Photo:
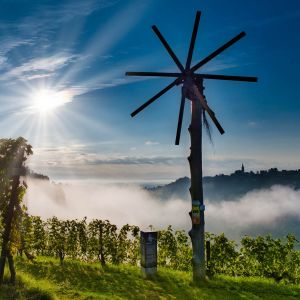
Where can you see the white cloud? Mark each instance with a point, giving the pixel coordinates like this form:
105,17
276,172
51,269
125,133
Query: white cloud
151,143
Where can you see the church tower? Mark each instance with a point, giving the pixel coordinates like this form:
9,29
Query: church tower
243,168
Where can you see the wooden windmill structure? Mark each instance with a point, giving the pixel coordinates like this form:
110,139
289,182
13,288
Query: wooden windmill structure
192,89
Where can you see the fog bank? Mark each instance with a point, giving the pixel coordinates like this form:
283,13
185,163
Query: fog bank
257,211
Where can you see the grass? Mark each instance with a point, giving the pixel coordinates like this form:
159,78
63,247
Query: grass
46,279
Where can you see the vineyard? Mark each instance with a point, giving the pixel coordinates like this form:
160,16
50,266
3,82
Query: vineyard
67,250
102,241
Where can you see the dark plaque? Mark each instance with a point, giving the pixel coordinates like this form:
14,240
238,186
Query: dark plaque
149,252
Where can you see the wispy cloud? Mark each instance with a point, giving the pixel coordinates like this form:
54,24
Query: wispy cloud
151,143
94,162
136,161
82,162
2,61
219,65
45,18
43,22
252,123
69,156
274,19
46,22
40,67
9,43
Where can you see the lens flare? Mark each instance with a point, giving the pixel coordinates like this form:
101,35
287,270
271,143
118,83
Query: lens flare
46,100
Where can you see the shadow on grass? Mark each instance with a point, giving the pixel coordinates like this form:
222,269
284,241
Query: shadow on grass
20,291
77,278
256,287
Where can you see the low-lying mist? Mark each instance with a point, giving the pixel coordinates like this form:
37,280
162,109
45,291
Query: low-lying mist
257,212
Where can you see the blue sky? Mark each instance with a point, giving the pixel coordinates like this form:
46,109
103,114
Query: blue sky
79,51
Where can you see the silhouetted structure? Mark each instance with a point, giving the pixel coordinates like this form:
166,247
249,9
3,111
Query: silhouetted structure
192,89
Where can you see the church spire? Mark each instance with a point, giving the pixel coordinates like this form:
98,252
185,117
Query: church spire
243,168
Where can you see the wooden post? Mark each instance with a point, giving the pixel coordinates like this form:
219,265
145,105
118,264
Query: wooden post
196,191
207,254
101,252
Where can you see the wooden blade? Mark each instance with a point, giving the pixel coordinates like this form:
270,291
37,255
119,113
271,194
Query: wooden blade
158,74
180,116
227,77
193,39
154,98
218,51
207,108
214,119
167,46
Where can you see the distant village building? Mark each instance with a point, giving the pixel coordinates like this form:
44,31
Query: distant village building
241,171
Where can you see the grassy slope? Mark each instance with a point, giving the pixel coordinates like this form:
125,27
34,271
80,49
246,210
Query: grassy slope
46,279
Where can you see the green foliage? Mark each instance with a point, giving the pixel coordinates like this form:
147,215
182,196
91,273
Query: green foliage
174,249
108,245
57,238
39,236
223,255
260,256
268,257
27,234
11,152
102,241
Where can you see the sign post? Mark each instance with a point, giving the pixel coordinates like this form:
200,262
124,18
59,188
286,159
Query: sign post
149,253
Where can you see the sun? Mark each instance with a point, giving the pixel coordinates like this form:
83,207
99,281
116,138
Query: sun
46,100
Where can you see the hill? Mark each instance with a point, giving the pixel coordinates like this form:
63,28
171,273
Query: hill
229,187
46,279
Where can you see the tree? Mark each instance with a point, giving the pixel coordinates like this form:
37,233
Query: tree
58,236
13,153
39,238
128,244
98,239
174,249
269,257
27,234
82,236
223,255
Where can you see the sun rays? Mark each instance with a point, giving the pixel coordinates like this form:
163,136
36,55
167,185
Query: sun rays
46,100
40,84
